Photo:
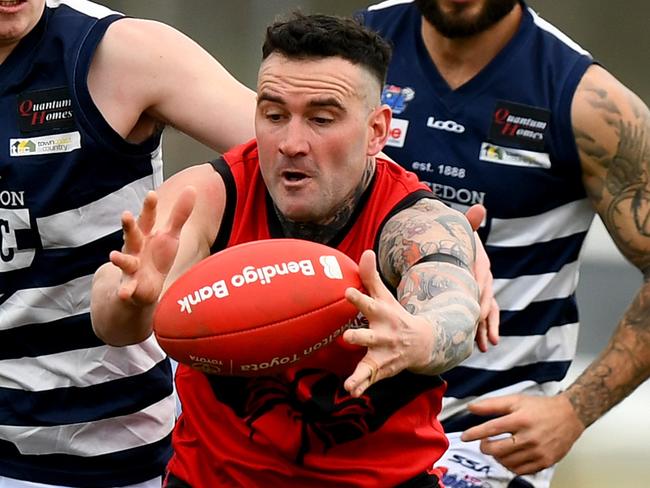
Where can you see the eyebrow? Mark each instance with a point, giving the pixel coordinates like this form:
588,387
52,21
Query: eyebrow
317,102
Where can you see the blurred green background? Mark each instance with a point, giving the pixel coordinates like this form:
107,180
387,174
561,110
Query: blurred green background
616,450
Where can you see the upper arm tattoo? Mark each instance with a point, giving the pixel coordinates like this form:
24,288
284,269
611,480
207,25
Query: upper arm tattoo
612,130
614,145
426,228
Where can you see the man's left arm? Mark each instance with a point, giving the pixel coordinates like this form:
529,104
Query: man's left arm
427,253
614,144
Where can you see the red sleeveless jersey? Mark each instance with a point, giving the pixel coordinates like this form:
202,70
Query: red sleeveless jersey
301,428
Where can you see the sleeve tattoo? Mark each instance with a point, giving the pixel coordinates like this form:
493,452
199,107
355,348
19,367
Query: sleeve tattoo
616,163
445,294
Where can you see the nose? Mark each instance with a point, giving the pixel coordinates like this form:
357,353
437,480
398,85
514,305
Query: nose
294,140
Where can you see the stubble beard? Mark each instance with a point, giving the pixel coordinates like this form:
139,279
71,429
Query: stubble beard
456,26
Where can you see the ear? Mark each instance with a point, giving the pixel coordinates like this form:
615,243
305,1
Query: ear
378,129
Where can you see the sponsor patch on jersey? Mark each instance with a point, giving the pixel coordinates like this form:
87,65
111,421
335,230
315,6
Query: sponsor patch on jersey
396,97
514,157
524,126
45,109
397,134
448,125
52,144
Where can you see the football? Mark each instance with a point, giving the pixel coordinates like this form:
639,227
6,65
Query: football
257,308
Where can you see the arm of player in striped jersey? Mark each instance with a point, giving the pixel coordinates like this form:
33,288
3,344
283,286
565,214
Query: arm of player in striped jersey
612,131
614,145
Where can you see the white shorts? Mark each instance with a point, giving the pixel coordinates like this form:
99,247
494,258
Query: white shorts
468,467
12,483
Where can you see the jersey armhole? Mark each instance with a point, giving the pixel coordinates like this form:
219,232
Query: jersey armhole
223,236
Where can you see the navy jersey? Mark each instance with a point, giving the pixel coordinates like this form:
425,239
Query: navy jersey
503,139
73,411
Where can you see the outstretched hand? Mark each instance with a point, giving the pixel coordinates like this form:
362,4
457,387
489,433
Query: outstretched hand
396,340
148,255
488,325
542,430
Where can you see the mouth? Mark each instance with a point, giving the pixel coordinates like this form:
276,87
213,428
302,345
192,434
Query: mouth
10,5
293,176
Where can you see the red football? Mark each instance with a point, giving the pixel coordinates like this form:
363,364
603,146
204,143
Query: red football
256,308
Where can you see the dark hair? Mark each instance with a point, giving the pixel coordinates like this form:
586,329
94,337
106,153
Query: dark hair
319,36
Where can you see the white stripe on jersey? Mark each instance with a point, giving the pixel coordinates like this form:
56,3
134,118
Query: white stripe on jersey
89,8
557,345
81,367
387,3
42,305
79,226
99,437
157,166
563,221
551,29
518,293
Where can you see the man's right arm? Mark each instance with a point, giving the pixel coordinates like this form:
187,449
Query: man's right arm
175,230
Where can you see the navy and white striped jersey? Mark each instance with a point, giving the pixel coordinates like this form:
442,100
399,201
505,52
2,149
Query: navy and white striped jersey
503,139
73,411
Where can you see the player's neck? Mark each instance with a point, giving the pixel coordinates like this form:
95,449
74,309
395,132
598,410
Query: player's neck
5,50
459,60
326,230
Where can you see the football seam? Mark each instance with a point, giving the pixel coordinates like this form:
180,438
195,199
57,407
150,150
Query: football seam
239,332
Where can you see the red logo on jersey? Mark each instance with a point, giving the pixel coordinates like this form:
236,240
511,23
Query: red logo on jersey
45,109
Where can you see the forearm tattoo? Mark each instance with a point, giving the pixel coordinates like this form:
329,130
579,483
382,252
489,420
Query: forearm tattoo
618,181
620,368
444,294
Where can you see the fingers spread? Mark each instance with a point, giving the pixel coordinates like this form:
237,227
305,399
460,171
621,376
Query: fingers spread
368,272
493,321
360,337
364,303
131,233
370,277
181,211
487,331
365,374
487,296
127,289
127,263
147,217
482,336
